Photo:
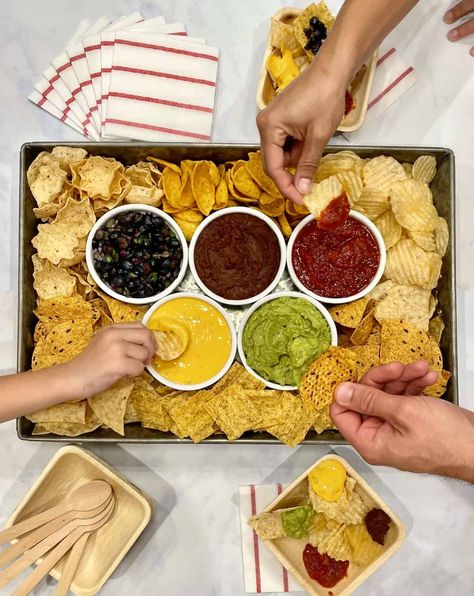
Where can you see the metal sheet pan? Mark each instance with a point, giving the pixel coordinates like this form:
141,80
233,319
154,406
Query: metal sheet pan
129,153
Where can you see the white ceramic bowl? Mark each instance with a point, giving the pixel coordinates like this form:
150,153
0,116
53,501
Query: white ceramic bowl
233,347
257,305
254,213
113,213
380,270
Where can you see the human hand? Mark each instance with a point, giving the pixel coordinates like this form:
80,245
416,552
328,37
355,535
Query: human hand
461,9
307,111
116,351
389,423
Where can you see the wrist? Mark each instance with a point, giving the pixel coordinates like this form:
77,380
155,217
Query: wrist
460,464
69,382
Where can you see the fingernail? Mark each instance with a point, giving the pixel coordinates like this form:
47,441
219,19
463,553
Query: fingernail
344,394
304,186
471,51
452,35
448,17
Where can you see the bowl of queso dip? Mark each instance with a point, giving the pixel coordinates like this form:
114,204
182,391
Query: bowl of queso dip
211,341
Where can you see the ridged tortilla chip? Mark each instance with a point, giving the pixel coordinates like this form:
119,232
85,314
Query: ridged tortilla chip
317,386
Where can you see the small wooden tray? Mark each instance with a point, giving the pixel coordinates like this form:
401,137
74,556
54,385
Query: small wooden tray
70,467
355,118
289,551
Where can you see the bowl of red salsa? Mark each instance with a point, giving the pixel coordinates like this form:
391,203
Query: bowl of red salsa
337,265
237,256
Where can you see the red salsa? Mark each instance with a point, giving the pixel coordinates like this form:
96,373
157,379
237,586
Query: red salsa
377,523
336,263
349,101
335,213
322,568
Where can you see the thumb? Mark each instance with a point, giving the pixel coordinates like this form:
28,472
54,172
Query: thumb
369,401
308,163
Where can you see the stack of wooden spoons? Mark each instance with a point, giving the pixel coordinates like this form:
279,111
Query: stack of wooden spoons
52,534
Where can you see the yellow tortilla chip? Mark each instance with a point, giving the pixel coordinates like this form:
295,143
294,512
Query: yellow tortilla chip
203,187
64,341
232,411
110,405
171,181
239,375
364,549
68,429
255,169
51,282
55,242
74,412
165,164
323,420
317,386
364,329
98,177
296,422
192,418
367,356
350,314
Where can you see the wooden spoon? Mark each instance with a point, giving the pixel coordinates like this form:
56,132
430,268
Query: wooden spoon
14,551
84,498
76,527
55,555
70,568
171,338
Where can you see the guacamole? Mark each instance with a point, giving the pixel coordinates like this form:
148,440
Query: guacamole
283,337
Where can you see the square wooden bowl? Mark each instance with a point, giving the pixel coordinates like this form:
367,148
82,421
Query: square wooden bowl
355,118
71,467
289,551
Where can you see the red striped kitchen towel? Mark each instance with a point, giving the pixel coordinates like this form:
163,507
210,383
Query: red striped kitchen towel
162,88
262,571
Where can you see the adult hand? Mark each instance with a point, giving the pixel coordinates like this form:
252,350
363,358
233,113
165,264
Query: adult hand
115,352
296,126
461,9
389,423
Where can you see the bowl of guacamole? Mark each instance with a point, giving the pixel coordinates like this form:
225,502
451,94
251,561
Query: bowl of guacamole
281,335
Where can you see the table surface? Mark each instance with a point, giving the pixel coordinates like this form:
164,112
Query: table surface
193,543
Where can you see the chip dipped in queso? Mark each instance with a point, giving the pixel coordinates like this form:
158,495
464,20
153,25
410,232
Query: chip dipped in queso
210,340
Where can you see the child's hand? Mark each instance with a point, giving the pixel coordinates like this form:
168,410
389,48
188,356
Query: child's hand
115,352
461,9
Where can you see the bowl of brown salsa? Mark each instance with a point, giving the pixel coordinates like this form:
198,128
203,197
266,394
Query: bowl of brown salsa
237,255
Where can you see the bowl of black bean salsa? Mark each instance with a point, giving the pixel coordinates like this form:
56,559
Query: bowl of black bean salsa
137,254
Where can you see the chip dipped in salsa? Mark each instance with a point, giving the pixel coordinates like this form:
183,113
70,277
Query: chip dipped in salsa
237,256
336,263
209,340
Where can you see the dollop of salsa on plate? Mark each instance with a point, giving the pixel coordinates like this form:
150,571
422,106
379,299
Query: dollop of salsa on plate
137,254
377,523
323,568
237,256
335,263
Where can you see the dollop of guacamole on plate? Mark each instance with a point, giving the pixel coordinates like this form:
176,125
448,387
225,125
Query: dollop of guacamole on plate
283,337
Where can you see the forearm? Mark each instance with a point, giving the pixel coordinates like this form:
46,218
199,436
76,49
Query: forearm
460,461
31,391
358,30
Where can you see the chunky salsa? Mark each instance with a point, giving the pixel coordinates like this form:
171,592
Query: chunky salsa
335,213
323,568
237,256
335,263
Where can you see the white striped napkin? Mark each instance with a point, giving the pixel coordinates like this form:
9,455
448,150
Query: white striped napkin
162,88
262,571
107,53
393,77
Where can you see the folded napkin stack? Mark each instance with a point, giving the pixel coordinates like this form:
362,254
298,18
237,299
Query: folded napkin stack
132,78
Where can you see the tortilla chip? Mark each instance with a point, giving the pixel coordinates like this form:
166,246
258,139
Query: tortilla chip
295,424
64,341
366,357
239,375
361,333
406,343
405,303
51,282
74,412
122,312
317,386
192,418
439,388
55,242
68,429
320,11
150,407
323,421
350,314
110,405
233,411
64,308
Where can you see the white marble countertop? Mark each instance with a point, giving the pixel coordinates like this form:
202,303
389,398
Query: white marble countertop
193,544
